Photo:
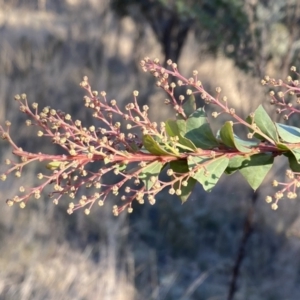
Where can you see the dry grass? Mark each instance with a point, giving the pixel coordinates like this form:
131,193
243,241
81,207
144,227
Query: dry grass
167,252
36,270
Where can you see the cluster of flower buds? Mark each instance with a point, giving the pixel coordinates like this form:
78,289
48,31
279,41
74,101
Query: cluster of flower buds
117,149
126,152
287,90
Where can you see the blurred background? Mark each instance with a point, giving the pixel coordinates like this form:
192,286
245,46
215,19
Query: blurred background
228,244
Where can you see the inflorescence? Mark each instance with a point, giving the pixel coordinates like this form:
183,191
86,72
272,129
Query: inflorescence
120,150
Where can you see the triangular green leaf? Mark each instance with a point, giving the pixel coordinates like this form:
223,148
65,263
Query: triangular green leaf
231,140
294,165
152,169
226,135
172,130
180,166
288,134
153,146
255,168
212,172
257,136
265,123
296,153
235,163
197,129
289,149
195,120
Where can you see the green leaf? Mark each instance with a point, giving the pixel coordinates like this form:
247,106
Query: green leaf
152,169
235,163
296,153
288,134
294,165
153,146
259,137
231,140
255,168
290,150
226,135
265,123
197,129
180,166
172,130
189,106
212,172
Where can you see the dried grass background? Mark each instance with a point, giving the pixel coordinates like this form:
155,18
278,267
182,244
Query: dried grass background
170,251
